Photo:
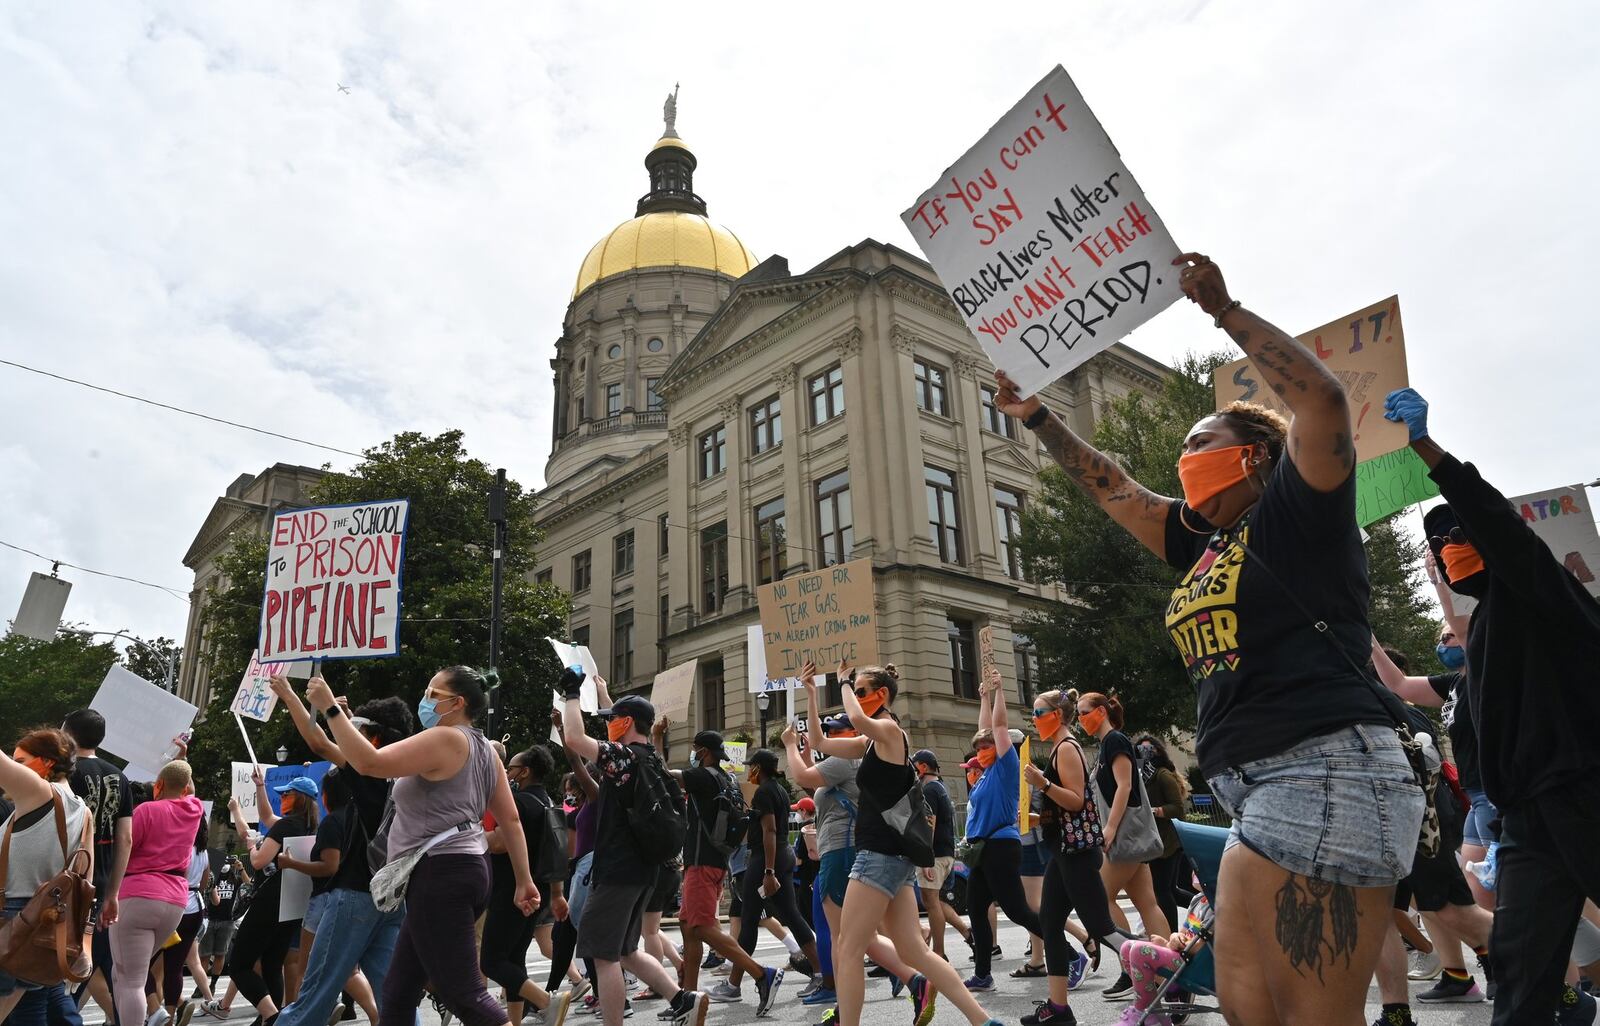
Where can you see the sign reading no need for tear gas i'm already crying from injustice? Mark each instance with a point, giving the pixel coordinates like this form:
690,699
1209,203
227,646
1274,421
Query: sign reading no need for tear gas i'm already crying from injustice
333,582
824,617
1044,240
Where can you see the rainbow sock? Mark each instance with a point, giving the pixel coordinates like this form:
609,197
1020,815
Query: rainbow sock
1458,974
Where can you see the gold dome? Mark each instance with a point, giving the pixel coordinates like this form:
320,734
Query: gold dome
665,239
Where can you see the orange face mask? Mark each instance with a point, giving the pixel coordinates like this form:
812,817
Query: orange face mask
618,728
1212,472
874,701
1461,561
1048,724
37,763
288,802
986,757
1093,720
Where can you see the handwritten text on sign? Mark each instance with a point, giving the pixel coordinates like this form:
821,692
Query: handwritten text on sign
1365,350
824,617
254,697
1044,240
333,582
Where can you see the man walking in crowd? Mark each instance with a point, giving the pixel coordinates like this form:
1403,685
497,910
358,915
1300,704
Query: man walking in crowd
104,788
931,880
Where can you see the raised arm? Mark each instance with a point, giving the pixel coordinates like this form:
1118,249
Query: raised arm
1141,512
1415,690
884,732
27,789
314,737
264,814
1458,622
1320,442
432,754
997,717
801,769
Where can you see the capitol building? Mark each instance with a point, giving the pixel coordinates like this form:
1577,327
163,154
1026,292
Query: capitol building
722,420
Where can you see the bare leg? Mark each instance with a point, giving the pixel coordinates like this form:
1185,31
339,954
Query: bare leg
361,990
197,969
905,930
935,906
1392,986
1033,890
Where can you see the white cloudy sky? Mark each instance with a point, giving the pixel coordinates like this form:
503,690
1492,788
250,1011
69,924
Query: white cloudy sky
190,210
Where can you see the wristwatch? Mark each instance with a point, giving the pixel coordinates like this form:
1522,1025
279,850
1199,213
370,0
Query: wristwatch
770,872
334,712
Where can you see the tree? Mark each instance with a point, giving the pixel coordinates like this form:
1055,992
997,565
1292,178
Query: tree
149,659
42,681
445,618
1111,635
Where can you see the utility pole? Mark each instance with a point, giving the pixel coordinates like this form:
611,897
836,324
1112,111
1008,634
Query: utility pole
497,517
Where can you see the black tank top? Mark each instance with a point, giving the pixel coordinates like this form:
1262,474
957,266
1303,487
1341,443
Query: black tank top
882,784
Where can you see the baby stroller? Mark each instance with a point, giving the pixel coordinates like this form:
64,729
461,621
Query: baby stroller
1195,975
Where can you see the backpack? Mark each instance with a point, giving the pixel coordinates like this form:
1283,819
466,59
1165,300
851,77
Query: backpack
724,827
657,817
548,859
44,943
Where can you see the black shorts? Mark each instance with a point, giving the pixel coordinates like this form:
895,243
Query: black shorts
1434,883
664,898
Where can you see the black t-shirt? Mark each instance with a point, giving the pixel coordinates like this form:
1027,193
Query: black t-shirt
531,804
226,883
1457,715
363,818
105,790
331,833
1112,746
702,786
944,817
770,800
1265,678
268,880
616,855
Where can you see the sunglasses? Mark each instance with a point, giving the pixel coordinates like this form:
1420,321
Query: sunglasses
1456,537
1042,712
864,692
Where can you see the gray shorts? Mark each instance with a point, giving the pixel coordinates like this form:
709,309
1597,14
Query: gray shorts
887,873
1343,807
613,918
218,936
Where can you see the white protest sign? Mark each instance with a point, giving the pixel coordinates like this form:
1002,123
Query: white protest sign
39,616
255,698
1043,239
294,894
578,655
139,774
1564,518
672,690
333,582
755,649
141,718
243,788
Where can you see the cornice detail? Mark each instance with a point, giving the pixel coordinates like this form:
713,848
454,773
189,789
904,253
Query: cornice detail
849,343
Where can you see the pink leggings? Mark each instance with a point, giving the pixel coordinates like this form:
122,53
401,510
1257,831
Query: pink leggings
142,924
1144,962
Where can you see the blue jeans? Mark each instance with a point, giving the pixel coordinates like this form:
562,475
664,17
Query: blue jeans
50,1005
581,883
352,932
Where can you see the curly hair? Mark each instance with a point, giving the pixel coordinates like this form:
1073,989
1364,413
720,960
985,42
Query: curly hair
1253,423
54,746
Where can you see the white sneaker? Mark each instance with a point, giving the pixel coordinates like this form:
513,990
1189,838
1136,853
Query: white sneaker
159,1017
1424,966
724,994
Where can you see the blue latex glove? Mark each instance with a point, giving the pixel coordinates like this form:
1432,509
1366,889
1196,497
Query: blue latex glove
1407,406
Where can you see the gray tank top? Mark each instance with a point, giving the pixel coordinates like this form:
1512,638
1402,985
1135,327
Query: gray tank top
426,808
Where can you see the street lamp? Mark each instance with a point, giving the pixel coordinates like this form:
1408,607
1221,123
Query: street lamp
763,703
172,658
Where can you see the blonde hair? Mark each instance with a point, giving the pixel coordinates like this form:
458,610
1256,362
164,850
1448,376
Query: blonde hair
175,776
1064,701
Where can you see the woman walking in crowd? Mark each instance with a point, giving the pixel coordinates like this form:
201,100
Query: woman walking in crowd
1304,898
883,877
995,863
1167,793
255,965
1071,827
174,957
34,781
582,796
446,778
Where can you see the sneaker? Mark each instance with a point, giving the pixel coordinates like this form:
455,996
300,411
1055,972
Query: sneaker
1575,1008
1133,1015
1077,971
1395,1016
1453,990
578,990
725,994
979,984
923,997
689,1008
159,1017
591,1005
820,996
555,1013
1486,967
830,1017
712,960
802,965
995,952
349,1015
627,1009
337,1014
723,968
1424,966
810,989
1122,990
767,990
1047,1014
213,1009
184,1013
896,985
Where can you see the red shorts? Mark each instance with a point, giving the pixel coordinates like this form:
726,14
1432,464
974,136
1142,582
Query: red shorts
702,890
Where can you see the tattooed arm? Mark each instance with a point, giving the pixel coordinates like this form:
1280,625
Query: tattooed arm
1140,511
1320,442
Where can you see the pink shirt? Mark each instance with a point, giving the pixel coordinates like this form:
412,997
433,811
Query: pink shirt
163,843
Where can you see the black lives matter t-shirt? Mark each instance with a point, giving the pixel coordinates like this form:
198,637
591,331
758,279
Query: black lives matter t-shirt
1265,678
1457,715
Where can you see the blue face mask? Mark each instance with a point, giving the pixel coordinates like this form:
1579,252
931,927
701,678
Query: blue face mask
427,712
1454,657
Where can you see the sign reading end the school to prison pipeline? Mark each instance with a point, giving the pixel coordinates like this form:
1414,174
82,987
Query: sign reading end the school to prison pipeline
333,582
1043,239
822,617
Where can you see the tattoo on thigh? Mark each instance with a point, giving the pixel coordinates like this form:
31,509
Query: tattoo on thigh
1316,918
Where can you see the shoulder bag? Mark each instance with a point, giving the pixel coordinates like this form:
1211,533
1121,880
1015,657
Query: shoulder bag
44,943
1138,839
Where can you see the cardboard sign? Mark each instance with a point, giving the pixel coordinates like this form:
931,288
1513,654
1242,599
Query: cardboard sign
1043,239
255,698
39,616
1564,518
294,893
578,655
333,582
672,690
1389,483
825,616
1366,351
1024,753
242,787
279,776
141,718
985,653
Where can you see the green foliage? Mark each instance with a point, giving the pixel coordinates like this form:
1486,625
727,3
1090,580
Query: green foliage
445,619
1401,617
42,681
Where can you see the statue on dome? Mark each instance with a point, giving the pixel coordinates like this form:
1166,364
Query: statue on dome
669,113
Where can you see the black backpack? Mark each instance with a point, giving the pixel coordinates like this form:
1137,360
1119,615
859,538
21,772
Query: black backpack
548,859
723,824
657,817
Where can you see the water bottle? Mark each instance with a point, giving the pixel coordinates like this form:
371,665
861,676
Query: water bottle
1487,871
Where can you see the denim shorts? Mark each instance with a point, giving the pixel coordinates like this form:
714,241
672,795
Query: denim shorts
887,873
1343,807
1479,828
315,911
1035,857
833,875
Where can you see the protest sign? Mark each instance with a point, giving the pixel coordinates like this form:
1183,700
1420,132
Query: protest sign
139,774
243,788
1025,754
1565,520
824,616
1044,240
141,718
39,616
755,651
333,582
672,690
737,752
985,652
1365,350
1389,483
578,655
294,893
255,698
279,776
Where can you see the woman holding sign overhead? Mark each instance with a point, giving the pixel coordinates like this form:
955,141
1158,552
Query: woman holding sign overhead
1271,620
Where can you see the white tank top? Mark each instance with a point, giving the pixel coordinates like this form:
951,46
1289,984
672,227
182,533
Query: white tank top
36,849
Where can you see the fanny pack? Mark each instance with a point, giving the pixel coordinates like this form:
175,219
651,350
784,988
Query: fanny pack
389,883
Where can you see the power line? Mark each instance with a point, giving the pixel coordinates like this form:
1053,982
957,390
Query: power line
180,409
174,592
